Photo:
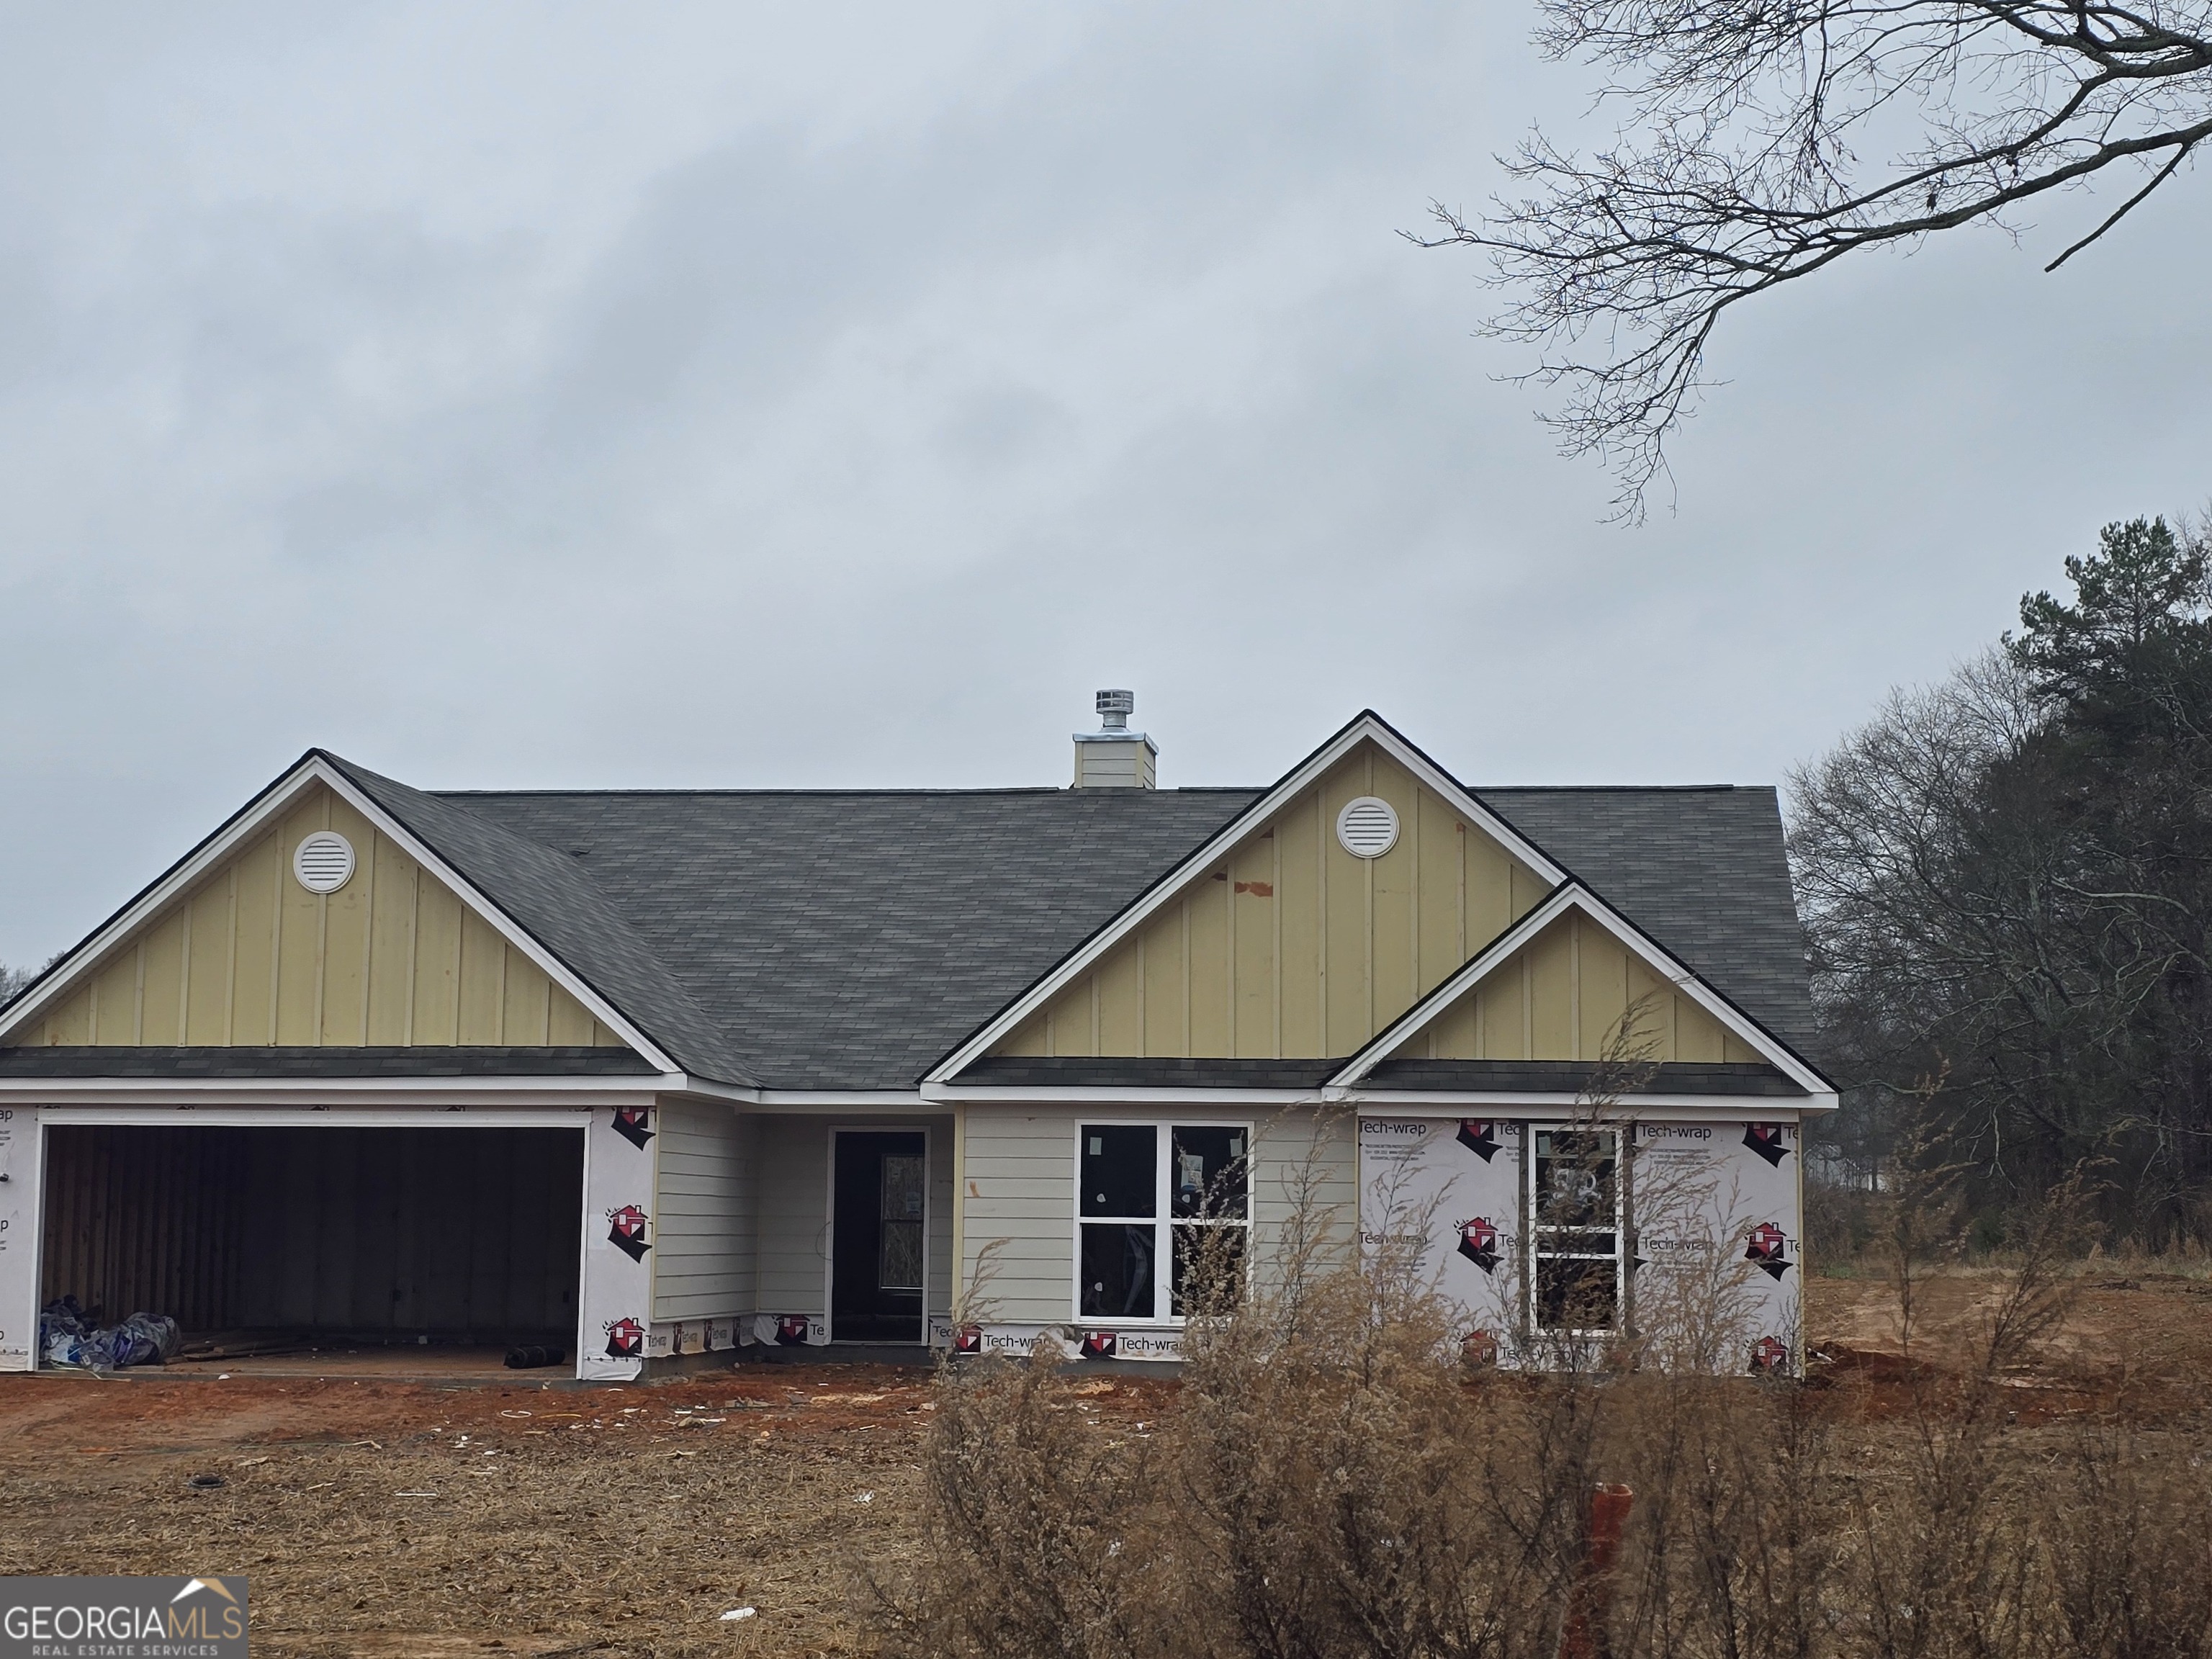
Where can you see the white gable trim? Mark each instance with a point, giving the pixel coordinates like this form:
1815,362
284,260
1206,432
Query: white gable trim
1573,896
1368,728
250,823
1566,1109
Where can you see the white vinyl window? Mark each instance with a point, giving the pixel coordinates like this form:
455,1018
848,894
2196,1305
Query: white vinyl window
1575,1232
1153,1200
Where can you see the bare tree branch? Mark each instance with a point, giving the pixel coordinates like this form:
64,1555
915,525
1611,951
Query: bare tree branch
1743,169
2124,209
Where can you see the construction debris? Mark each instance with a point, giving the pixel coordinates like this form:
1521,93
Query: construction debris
68,1335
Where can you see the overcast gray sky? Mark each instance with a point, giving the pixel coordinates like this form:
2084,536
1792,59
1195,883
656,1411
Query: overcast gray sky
733,395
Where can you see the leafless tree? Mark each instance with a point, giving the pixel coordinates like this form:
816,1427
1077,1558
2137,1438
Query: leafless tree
2004,882
12,982
1769,139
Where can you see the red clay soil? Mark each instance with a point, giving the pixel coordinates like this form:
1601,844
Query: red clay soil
382,1518
2139,1342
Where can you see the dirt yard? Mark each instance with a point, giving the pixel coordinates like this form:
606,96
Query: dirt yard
382,1518
2134,1336
379,1517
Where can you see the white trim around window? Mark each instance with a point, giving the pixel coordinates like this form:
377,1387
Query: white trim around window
1577,1247
1117,1203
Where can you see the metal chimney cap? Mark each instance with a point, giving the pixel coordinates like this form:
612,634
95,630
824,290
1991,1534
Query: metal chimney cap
1115,708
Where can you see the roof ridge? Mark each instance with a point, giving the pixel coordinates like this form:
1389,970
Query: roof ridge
1614,788
1040,790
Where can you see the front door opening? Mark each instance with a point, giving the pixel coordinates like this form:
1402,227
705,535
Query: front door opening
876,1252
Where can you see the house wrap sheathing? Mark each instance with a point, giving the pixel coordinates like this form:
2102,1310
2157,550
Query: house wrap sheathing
649,1075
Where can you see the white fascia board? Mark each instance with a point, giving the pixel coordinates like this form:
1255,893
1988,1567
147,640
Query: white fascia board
1164,1100
1574,896
319,1117
1408,1103
802,1100
380,1094
1368,729
271,805
472,1086
707,1089
1668,1108
869,1099
855,1106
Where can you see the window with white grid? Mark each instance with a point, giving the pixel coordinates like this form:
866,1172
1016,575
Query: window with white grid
1156,1204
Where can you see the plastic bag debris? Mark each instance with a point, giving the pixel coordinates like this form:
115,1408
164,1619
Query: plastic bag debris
737,1612
68,1335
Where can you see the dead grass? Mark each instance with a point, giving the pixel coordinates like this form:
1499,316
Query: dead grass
582,1539
1331,1479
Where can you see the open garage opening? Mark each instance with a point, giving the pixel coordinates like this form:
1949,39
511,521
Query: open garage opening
337,1249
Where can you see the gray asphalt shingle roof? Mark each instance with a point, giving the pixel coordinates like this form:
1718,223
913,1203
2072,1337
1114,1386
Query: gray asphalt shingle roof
806,940
1700,870
540,885
849,940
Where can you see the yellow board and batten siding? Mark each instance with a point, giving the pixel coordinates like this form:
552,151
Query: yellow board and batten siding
249,958
1291,948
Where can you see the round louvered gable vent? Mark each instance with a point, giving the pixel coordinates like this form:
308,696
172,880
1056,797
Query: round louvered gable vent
323,862
1367,828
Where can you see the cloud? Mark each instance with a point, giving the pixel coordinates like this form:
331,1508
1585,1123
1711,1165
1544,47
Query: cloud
722,396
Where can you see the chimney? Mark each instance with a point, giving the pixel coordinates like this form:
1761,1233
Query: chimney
1114,757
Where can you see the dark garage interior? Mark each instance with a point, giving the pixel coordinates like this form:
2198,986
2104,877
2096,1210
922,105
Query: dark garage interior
265,1239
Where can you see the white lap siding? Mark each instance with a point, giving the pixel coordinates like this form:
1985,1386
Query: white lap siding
1019,1235
705,1226
794,1215
793,1161
1306,1157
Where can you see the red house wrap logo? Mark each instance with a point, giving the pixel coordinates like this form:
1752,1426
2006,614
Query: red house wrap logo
1767,1248
969,1339
1100,1344
634,1124
1478,1243
791,1331
1769,1354
627,1232
625,1339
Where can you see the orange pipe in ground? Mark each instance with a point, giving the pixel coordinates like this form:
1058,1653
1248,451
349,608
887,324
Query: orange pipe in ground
1583,1635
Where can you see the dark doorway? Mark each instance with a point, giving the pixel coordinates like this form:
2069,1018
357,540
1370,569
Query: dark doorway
881,1184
